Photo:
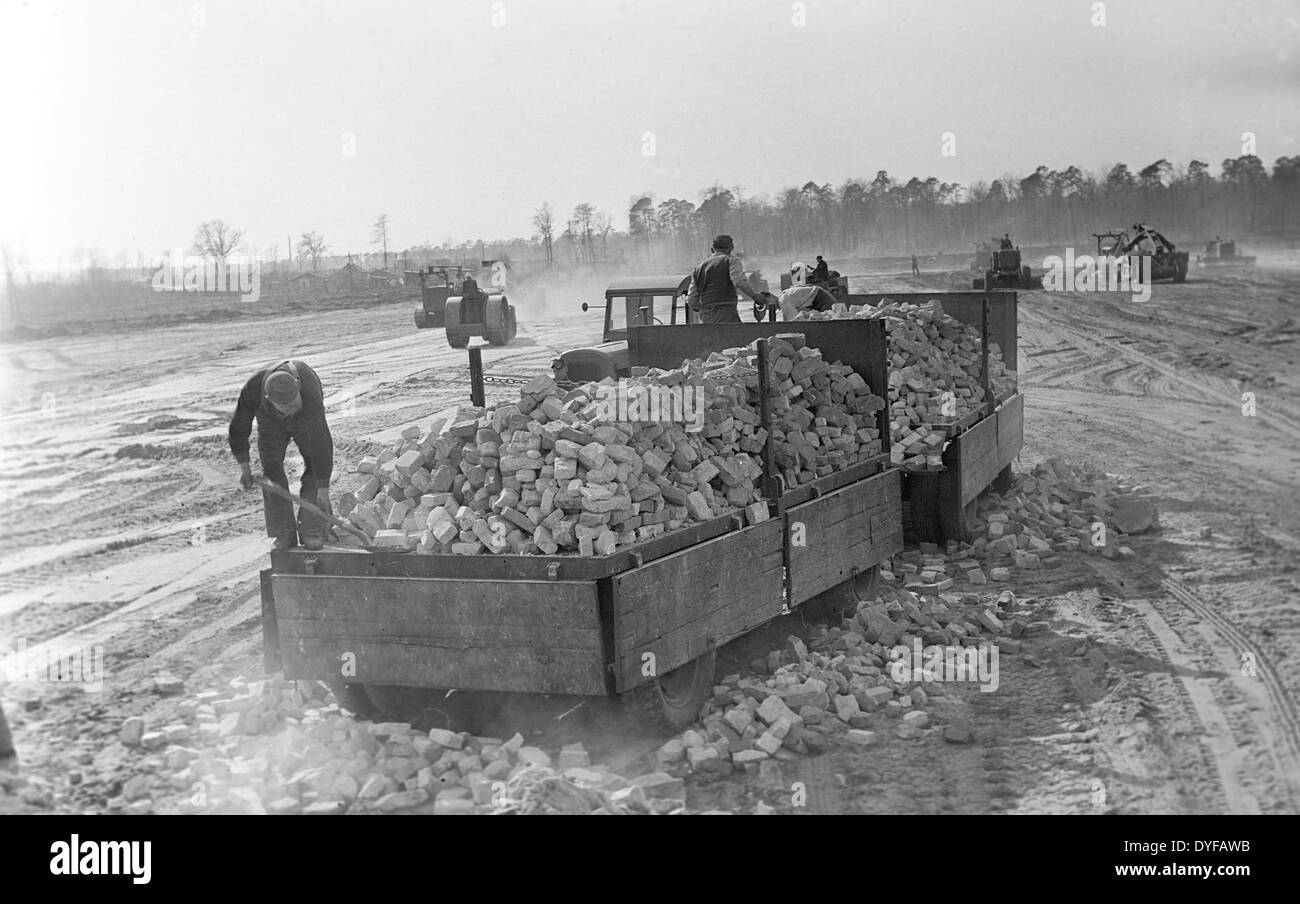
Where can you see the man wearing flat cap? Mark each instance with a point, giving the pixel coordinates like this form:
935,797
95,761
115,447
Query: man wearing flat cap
716,281
288,403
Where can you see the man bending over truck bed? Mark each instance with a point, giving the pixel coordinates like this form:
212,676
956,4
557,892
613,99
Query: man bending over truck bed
288,403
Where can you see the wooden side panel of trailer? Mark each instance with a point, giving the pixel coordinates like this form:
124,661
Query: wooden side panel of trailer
535,636
681,606
974,461
858,526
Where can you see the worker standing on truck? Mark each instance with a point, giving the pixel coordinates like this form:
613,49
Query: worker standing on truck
288,403
1006,242
716,281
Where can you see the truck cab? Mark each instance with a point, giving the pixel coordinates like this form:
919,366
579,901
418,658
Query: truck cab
630,301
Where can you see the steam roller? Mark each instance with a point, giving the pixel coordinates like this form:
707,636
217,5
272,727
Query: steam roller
480,314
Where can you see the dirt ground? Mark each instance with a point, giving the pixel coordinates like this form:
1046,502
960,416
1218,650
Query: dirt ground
126,527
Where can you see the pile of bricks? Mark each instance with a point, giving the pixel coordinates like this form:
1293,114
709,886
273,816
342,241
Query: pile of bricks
845,687
597,468
286,747
1057,508
934,374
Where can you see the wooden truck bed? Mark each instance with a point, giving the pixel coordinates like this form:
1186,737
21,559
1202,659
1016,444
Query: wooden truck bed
582,625
984,444
567,634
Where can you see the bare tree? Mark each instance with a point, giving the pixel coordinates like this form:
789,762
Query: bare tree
379,235
545,223
11,259
584,216
312,245
217,239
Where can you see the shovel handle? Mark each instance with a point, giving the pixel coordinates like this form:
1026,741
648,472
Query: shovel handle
316,510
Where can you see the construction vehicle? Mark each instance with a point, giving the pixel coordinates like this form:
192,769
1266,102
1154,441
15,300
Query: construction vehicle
633,300
1221,254
1166,261
1005,270
802,275
437,284
474,312
419,626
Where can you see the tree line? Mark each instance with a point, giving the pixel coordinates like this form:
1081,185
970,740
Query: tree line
887,215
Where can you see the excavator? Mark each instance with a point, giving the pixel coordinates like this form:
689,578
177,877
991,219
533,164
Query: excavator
1166,261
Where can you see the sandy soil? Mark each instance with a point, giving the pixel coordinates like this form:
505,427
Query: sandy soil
126,527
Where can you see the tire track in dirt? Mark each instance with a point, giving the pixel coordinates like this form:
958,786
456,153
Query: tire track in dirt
1284,712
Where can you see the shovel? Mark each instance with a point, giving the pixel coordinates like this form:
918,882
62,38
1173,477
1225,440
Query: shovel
314,509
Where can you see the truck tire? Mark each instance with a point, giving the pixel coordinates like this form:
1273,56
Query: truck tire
1026,278
353,698
1180,270
514,325
672,702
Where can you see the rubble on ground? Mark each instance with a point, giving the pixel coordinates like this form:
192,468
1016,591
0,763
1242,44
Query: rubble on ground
1056,508
934,374
284,747
592,469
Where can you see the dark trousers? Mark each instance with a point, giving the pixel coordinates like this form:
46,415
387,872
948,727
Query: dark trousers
6,741
719,313
318,462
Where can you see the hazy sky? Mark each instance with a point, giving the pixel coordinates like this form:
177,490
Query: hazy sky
128,123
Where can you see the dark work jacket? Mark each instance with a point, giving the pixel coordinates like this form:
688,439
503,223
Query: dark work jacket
307,428
713,279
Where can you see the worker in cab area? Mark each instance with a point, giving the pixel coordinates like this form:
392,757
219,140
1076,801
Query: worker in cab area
802,294
821,274
1006,242
288,403
716,282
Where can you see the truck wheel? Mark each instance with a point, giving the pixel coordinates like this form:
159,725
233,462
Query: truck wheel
514,326
353,698
1026,278
672,702
1180,271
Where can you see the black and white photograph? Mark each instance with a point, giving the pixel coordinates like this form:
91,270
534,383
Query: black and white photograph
651,407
